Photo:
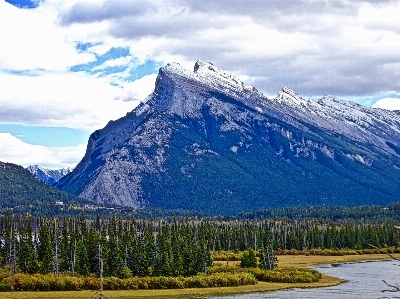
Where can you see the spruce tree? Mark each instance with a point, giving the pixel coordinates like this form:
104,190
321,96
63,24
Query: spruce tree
27,257
65,248
82,263
45,248
115,260
248,259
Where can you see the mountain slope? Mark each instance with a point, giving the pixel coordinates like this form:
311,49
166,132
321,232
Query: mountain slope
203,140
48,176
19,189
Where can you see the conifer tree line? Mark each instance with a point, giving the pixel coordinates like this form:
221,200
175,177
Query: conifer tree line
181,247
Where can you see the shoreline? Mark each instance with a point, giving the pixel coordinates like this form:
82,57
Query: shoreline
314,260
283,260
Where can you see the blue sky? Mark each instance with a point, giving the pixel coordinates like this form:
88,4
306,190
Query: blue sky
46,136
68,67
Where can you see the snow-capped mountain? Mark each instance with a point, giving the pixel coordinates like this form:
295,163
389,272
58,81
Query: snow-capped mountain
204,140
48,176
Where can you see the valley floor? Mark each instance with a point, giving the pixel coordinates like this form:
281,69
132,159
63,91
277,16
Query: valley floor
285,260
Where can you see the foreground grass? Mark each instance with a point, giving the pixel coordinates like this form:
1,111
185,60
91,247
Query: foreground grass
176,293
298,260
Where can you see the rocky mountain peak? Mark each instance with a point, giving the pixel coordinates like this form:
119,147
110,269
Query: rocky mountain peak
206,140
48,176
289,97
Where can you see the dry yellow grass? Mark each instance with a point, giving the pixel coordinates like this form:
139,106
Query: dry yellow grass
312,260
289,260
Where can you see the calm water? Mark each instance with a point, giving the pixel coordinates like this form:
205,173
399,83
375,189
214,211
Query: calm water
364,282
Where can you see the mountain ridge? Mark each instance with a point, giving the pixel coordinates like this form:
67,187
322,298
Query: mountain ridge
205,127
21,191
48,176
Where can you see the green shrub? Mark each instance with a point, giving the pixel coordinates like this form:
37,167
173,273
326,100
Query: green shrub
5,287
131,283
39,282
248,259
226,269
175,283
286,274
112,283
143,283
159,282
223,256
73,283
195,282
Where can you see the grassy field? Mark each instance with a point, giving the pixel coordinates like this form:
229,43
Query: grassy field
312,260
286,260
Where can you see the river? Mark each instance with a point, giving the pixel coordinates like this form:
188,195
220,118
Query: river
364,281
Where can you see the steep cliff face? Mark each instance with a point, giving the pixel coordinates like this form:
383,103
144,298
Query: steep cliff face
204,140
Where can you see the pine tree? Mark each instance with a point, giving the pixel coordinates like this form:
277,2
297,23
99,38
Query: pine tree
248,259
45,248
27,257
115,260
162,263
82,263
56,245
9,249
93,241
65,247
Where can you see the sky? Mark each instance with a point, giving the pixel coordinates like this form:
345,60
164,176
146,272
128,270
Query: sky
69,67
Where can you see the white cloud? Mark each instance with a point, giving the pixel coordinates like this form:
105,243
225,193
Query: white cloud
344,48
140,89
65,100
13,150
388,103
30,40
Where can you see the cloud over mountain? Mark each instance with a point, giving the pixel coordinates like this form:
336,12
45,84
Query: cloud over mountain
79,64
13,150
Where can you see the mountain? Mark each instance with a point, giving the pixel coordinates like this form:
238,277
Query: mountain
21,191
205,141
48,176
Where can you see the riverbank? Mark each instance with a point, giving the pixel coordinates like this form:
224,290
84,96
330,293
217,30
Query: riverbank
285,260
313,260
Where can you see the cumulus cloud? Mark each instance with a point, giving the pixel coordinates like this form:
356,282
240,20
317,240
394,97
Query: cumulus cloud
31,41
388,103
138,90
13,150
67,100
344,48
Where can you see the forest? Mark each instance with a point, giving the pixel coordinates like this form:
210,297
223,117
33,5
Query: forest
175,247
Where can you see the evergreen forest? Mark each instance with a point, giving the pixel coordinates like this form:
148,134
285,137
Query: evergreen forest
175,247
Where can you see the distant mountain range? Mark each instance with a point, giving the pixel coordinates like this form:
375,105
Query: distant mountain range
48,176
205,141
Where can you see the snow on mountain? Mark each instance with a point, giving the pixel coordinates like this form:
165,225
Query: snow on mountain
48,176
204,139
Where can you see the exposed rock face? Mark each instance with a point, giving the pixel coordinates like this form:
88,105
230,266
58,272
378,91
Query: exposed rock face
204,140
48,176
